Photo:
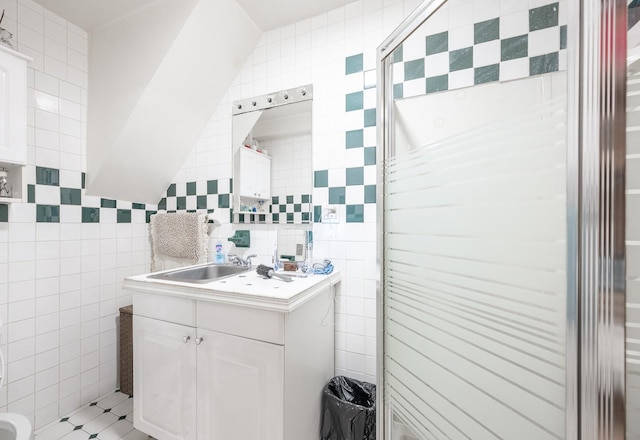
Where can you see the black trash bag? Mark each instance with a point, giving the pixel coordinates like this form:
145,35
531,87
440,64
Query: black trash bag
348,410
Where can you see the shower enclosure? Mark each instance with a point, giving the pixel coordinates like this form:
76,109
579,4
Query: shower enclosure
504,279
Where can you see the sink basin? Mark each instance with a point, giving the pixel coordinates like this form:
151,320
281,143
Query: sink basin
200,274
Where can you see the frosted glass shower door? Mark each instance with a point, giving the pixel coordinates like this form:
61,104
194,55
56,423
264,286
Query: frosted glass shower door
474,243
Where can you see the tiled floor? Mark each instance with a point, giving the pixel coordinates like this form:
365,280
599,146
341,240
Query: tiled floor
109,418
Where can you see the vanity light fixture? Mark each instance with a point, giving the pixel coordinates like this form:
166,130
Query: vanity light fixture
288,96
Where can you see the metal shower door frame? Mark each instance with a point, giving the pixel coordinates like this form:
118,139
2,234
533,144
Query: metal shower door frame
595,333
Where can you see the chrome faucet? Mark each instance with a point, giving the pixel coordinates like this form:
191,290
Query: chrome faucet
239,261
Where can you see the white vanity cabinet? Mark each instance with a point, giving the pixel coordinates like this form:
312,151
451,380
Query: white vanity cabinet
206,370
255,174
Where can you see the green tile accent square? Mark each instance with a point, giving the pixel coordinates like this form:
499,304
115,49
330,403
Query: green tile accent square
437,43
171,191
262,218
275,218
305,216
353,64
4,213
124,216
398,91
70,196
543,17
148,215
461,59
282,208
162,204
437,83
289,199
181,203
354,101
306,198
48,213
297,207
191,188
414,69
486,31
31,194
513,48
486,74
543,64
83,179
138,206
369,155
370,117
355,176
275,200
354,138
369,194
108,203
397,54
563,37
289,217
337,195
47,176
212,187
201,202
355,213
223,200
317,214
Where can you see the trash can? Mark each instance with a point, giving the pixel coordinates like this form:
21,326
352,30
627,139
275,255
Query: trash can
348,410
126,350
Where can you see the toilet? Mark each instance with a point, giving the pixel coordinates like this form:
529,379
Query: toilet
15,427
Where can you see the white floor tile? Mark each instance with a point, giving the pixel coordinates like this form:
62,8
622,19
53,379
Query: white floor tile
76,435
100,423
56,431
87,414
136,435
124,408
112,400
116,431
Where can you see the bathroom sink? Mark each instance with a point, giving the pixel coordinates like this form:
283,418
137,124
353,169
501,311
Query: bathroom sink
200,274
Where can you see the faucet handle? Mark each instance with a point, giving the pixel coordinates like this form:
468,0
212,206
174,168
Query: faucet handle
248,259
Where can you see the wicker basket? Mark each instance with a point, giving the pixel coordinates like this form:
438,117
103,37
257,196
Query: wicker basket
126,350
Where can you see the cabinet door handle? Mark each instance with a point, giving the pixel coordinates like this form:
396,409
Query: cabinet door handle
199,341
186,339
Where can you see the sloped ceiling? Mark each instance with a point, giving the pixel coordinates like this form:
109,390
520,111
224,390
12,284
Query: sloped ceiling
157,71
267,14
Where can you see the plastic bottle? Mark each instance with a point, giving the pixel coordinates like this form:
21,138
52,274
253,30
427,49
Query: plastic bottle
275,256
219,255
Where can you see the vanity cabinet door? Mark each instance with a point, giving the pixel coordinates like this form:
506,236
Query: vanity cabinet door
164,362
240,388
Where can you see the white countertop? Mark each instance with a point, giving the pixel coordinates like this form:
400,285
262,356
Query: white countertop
245,289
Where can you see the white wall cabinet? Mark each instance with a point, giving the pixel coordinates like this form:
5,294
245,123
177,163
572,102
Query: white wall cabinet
255,174
213,371
13,117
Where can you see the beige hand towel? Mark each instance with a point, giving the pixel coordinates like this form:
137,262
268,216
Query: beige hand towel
178,239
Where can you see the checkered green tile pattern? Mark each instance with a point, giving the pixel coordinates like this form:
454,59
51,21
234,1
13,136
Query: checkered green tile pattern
502,49
284,209
206,197
59,197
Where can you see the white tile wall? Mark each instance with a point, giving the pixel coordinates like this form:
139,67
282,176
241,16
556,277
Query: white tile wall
60,283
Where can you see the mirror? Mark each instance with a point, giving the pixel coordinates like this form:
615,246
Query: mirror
272,168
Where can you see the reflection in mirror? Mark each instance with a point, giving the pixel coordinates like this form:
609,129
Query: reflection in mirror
292,244
272,169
